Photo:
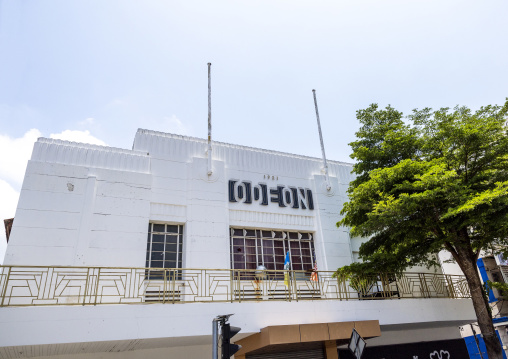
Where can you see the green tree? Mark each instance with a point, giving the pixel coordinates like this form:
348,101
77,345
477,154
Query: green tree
439,181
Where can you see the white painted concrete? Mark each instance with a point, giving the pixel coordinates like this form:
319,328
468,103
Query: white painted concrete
71,324
81,203
99,352
91,205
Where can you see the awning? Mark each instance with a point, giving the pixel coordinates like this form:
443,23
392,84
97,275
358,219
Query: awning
274,339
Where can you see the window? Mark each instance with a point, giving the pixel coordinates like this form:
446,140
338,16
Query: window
164,246
253,247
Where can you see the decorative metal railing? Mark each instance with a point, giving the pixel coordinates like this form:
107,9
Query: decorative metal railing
34,285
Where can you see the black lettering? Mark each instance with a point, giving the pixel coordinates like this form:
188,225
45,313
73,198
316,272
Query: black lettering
310,202
284,196
264,194
276,195
256,193
304,205
248,192
231,188
295,197
288,196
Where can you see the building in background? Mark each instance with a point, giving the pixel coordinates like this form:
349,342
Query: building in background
132,253
492,268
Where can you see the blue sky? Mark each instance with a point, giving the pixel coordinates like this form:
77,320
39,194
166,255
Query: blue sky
97,70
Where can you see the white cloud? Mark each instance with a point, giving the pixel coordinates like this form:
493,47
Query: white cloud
77,136
174,125
7,210
14,154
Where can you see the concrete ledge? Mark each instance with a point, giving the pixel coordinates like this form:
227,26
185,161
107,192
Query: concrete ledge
137,322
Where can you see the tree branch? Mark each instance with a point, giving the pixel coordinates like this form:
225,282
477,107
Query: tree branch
452,250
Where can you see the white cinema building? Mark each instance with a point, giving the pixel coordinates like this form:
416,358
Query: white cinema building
118,253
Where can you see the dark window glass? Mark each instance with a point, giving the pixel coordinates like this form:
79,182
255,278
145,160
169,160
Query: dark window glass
157,256
164,248
270,265
159,228
239,265
170,256
156,264
158,238
157,246
171,239
267,251
170,264
251,248
172,229
293,235
170,247
294,245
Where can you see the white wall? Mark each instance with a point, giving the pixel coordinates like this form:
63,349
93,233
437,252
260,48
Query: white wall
73,324
70,214
90,205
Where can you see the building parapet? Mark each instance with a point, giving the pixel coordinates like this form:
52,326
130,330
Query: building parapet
183,148
58,285
87,155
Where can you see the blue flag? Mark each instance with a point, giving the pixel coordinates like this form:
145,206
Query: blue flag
287,264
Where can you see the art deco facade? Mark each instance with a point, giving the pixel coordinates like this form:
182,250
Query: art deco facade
132,253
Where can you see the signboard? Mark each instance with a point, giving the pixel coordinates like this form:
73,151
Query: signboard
356,344
440,349
284,196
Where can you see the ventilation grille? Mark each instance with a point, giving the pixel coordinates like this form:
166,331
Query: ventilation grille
155,296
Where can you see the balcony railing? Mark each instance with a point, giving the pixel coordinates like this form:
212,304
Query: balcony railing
34,285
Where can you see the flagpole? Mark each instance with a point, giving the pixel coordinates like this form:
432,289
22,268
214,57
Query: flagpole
209,172
327,179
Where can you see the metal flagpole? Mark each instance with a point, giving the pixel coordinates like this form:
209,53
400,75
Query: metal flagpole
328,187
209,121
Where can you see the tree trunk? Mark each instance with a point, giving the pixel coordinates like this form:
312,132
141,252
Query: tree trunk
481,306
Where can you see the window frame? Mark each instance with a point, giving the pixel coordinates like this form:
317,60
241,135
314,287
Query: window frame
260,236
166,233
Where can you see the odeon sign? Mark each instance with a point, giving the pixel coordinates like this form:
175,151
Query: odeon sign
284,196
